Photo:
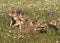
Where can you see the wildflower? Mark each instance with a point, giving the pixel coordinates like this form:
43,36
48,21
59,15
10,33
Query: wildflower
3,16
48,13
52,12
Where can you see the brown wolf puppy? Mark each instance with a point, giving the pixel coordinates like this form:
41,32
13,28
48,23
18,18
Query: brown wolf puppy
53,22
25,18
29,31
40,25
18,17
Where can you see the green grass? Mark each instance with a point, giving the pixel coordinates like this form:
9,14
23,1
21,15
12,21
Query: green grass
37,9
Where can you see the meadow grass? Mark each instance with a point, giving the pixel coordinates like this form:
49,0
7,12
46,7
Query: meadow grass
36,9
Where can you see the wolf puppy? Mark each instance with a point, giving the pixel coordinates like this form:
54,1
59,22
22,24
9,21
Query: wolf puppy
18,17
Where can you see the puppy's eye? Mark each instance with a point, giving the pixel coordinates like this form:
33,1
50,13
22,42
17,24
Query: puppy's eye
18,12
20,19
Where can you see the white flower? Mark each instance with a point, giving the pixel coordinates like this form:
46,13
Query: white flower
4,36
9,30
1,35
39,8
14,37
57,41
8,35
19,2
0,28
56,8
20,35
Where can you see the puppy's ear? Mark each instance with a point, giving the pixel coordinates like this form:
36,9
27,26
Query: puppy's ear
18,11
12,10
